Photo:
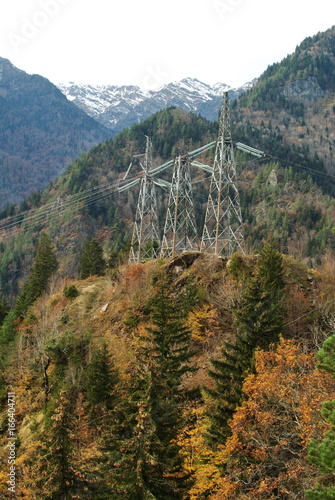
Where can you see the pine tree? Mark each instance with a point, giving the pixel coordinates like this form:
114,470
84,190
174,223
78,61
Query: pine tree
228,374
45,265
259,321
169,353
145,458
133,470
92,262
57,477
4,309
102,379
322,453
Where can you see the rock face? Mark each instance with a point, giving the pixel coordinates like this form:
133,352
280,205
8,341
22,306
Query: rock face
41,132
306,89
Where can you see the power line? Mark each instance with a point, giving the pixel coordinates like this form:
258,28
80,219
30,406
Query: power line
95,194
86,197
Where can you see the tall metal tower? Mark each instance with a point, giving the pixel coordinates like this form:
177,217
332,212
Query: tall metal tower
222,232
180,231
145,238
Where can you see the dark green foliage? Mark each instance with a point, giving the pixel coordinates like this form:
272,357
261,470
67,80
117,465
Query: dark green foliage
58,479
4,309
228,375
8,329
170,353
326,356
45,265
322,453
146,458
39,127
151,250
71,292
114,259
69,353
101,379
238,268
259,322
260,318
133,469
92,262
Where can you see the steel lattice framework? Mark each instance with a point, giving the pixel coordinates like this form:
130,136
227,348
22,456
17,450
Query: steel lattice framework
180,232
222,231
145,237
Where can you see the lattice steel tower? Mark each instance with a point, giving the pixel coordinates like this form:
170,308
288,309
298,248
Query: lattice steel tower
145,238
180,231
222,232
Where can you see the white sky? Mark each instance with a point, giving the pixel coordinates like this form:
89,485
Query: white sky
151,42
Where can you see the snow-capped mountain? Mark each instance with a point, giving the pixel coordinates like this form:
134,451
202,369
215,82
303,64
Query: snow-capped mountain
117,107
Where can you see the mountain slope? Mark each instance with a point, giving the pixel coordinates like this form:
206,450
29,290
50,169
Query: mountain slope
58,361
117,107
293,102
41,132
277,198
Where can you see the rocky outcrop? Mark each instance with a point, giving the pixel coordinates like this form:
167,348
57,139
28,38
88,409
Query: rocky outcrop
306,89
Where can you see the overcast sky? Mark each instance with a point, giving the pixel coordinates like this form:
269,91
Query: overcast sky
152,42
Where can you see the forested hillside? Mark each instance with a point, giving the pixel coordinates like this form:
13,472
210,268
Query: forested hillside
120,380
284,198
41,132
293,103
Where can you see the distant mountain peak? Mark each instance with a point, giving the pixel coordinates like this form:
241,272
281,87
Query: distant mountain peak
118,106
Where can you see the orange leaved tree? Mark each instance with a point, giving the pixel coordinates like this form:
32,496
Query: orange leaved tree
266,455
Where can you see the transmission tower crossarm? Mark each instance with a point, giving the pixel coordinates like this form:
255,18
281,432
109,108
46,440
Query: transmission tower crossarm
161,168
250,150
203,149
128,170
205,168
162,183
129,185
191,155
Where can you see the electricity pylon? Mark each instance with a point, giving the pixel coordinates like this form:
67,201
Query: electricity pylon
145,238
180,231
222,231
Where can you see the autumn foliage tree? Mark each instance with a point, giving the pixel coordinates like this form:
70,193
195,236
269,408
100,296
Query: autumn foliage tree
266,455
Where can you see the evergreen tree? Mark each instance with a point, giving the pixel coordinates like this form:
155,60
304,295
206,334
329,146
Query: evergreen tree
169,353
322,453
45,265
101,379
228,375
145,459
91,261
57,477
259,321
133,471
4,309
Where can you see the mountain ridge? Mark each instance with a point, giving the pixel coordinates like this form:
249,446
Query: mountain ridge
41,132
117,107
